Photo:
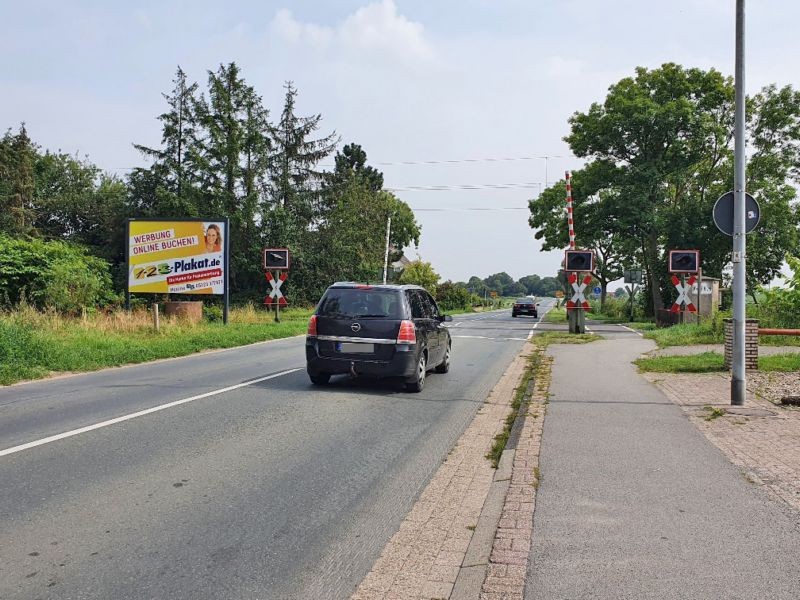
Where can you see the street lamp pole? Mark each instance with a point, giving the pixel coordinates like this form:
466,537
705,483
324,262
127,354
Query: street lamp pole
386,254
738,375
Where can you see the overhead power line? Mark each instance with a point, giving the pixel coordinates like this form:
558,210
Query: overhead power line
467,160
468,209
466,186
422,162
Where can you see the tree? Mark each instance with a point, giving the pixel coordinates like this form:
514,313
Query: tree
17,186
169,186
498,282
515,289
293,180
594,222
532,284
422,274
351,163
232,158
656,128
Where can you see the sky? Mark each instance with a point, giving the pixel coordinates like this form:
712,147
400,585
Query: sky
473,93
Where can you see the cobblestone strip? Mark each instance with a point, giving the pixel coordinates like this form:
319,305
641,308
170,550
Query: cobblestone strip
761,438
423,558
508,563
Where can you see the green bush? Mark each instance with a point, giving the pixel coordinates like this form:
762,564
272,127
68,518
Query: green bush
452,297
52,274
617,309
780,307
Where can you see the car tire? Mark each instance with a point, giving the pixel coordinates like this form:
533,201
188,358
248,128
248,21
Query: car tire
417,384
319,378
444,366
514,315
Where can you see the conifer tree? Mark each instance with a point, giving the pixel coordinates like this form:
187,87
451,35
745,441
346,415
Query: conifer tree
17,186
169,186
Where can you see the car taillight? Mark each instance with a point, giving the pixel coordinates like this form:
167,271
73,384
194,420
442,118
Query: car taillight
407,333
312,326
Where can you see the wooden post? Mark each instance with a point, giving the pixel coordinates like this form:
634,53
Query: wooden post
156,323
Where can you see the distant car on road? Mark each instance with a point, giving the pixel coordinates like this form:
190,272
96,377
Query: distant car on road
525,306
377,331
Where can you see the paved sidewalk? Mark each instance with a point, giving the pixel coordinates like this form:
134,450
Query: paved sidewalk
424,558
761,438
635,503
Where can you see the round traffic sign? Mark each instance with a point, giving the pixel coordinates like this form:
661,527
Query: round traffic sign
597,291
723,213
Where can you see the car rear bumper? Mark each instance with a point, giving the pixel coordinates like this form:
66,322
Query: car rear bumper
402,364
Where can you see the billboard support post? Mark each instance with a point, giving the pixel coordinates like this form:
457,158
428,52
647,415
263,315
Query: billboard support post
227,295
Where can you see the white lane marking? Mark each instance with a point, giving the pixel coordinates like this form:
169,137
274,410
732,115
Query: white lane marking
486,337
530,333
141,413
639,333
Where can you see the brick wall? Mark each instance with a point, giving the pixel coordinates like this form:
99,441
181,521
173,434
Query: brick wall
750,344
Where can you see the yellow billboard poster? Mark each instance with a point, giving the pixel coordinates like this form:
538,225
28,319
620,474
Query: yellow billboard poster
177,256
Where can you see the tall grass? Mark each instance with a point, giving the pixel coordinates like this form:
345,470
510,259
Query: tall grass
34,344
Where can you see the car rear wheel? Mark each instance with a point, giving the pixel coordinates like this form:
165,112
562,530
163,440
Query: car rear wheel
319,378
444,366
418,383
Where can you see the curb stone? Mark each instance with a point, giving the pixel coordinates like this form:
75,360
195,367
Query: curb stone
427,555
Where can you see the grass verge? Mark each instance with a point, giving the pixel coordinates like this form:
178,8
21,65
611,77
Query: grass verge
685,335
709,362
537,367
556,315
34,345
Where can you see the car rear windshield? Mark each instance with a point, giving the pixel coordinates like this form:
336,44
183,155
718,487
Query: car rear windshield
355,302
524,301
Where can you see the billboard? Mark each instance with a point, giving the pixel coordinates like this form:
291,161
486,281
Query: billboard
181,256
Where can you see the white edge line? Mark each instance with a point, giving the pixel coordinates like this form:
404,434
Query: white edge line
141,413
639,333
155,361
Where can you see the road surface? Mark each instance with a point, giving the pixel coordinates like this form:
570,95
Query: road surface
225,474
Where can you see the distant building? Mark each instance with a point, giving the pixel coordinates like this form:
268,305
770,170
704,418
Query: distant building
400,264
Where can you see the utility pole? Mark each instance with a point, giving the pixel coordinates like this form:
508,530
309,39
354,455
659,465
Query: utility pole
738,374
386,255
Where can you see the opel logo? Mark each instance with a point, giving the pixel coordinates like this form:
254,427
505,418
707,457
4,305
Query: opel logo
356,327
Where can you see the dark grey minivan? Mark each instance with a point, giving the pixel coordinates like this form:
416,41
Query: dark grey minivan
378,331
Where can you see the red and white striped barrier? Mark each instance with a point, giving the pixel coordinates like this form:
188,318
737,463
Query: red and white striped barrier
568,177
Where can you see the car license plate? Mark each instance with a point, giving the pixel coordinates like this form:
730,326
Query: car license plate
355,348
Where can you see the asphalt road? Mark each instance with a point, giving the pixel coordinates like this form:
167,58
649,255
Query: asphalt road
240,480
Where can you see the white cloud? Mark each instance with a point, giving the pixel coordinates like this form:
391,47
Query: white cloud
373,30
295,32
379,27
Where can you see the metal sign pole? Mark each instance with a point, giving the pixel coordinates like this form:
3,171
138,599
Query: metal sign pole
738,375
277,302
